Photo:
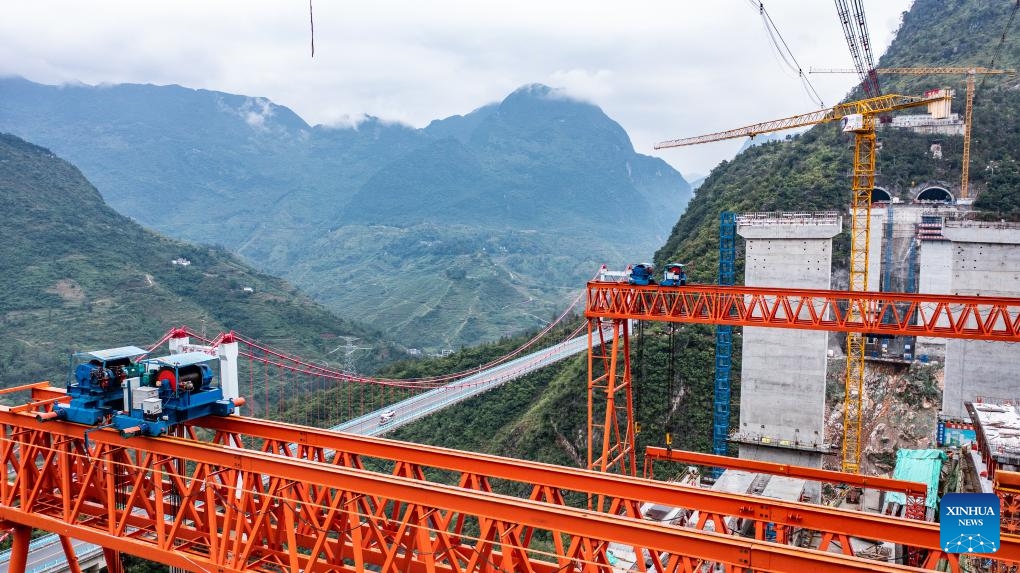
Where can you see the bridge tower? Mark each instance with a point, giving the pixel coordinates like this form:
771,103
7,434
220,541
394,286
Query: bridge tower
611,429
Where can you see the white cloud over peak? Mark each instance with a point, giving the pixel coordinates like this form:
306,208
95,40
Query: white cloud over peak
662,68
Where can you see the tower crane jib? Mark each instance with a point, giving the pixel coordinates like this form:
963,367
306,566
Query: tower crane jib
969,108
870,106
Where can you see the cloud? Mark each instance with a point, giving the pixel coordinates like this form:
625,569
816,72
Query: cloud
255,111
588,85
661,68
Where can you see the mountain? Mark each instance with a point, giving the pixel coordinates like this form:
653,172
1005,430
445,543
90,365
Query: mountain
496,166
471,228
76,275
805,172
761,139
197,164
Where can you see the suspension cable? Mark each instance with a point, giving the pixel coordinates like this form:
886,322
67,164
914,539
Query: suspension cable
284,361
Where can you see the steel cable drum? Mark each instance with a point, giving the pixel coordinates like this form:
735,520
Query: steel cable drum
185,379
167,376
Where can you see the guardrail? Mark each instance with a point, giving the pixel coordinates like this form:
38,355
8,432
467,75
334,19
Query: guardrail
972,224
60,564
82,550
781,218
506,372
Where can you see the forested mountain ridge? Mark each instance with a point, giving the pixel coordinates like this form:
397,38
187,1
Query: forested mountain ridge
79,276
469,229
806,172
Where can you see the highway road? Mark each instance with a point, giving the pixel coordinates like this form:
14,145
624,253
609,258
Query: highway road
422,405
46,555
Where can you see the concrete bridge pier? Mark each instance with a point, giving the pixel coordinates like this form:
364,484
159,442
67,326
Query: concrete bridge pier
985,262
782,388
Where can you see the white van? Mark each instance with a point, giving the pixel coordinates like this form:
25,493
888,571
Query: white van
386,417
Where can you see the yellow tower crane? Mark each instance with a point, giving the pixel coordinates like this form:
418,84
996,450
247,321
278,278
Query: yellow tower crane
969,109
857,117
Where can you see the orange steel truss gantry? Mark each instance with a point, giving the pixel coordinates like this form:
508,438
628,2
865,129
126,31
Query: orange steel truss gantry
1007,487
857,117
611,425
238,494
915,492
894,314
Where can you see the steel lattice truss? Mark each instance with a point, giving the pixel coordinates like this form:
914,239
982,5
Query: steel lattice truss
240,494
948,316
872,106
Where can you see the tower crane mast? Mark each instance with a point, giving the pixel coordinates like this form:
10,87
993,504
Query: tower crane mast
857,117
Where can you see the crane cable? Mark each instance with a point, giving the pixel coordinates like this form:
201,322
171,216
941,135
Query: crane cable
783,49
311,23
1002,40
865,47
670,386
642,374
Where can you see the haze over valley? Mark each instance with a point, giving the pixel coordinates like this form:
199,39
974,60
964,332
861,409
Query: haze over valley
475,227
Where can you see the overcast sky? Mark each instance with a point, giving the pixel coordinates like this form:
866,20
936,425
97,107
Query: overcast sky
663,69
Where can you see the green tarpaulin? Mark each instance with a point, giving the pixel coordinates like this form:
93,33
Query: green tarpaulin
918,465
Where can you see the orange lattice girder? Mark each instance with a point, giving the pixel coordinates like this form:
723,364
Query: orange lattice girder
230,509
773,468
948,316
279,436
240,510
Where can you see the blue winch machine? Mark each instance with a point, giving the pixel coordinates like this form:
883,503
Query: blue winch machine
674,275
642,274
141,397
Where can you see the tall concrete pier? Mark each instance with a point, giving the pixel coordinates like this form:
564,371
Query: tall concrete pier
875,236
935,277
782,388
985,262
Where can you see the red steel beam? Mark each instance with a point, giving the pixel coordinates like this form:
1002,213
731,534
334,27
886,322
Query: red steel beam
241,510
794,514
301,441
1007,486
857,480
1007,480
947,316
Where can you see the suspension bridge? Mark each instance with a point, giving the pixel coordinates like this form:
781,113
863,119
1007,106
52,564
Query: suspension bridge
272,494
47,553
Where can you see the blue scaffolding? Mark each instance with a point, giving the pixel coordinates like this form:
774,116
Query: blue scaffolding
912,267
724,339
887,264
887,268
910,346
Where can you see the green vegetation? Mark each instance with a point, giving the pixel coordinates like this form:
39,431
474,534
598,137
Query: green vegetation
542,416
803,172
532,417
77,275
432,234
921,385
